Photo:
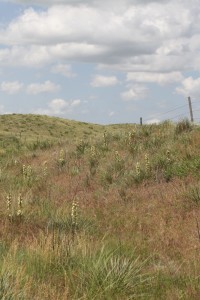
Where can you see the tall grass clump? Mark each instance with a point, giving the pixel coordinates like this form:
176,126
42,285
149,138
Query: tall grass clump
14,282
183,126
107,275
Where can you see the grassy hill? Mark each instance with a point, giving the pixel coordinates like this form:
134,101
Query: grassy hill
98,212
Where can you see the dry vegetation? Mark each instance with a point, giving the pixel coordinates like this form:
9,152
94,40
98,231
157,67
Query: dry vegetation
98,212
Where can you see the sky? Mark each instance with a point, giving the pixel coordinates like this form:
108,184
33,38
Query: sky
100,61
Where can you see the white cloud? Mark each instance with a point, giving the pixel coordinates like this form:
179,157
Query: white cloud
153,121
153,36
135,92
160,78
104,81
3,111
46,87
111,114
189,87
11,87
85,2
39,55
76,102
59,107
30,56
64,70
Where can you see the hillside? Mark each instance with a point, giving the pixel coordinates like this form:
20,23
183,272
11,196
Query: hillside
98,212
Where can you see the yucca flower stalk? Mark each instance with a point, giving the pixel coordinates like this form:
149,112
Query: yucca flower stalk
168,154
62,154
117,156
29,171
138,170
105,136
147,163
61,159
74,217
45,169
19,211
93,152
24,172
9,204
131,136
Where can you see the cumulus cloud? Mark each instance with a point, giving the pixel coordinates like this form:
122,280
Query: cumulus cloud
146,37
63,69
11,87
153,121
46,87
135,92
3,110
104,81
41,2
152,40
75,102
59,107
111,114
160,78
31,56
39,56
85,2
189,87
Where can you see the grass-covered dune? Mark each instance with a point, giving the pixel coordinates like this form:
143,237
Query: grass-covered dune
98,212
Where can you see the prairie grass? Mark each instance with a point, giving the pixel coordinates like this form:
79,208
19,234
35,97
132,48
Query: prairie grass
98,212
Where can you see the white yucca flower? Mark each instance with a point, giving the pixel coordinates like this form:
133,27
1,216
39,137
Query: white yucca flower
9,204
19,211
138,170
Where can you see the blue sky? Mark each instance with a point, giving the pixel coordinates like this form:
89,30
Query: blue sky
100,61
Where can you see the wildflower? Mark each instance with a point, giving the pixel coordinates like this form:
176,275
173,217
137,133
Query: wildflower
61,159
45,170
29,171
131,136
74,213
74,217
93,151
24,171
147,163
105,136
168,157
138,171
19,211
117,156
9,203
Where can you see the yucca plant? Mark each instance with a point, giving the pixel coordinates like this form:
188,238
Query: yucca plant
106,275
